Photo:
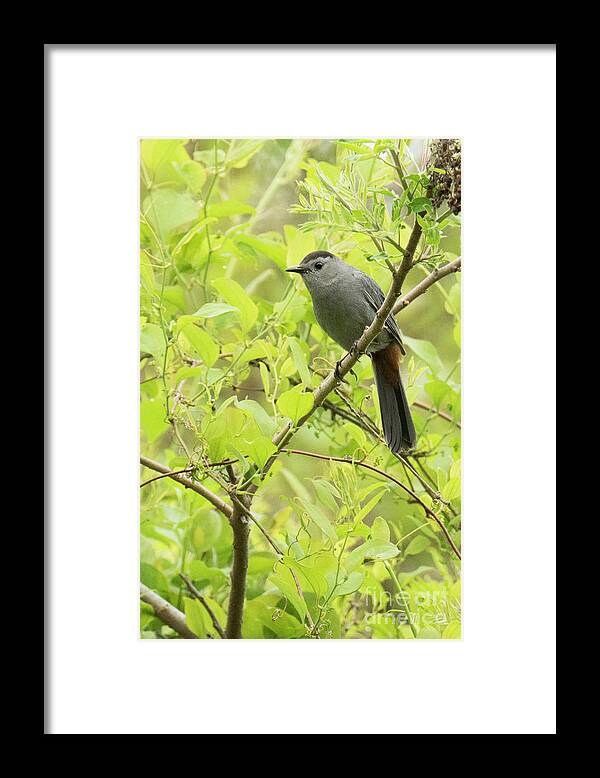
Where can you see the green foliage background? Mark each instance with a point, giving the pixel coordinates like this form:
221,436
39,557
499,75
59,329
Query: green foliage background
229,345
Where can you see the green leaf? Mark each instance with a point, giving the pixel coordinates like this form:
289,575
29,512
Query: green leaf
427,352
330,628
201,342
152,340
326,493
419,204
269,248
455,469
300,361
295,484
207,527
221,429
259,349
199,570
195,232
207,157
146,273
258,447
197,618
153,578
295,403
169,211
265,378
350,584
219,613
311,579
429,633
210,310
452,304
366,509
416,546
284,581
437,390
322,522
452,631
241,151
161,158
356,434
456,333
262,619
261,562
233,294
192,174
299,244
370,549
380,529
175,297
228,208
451,489
379,550
152,419
266,423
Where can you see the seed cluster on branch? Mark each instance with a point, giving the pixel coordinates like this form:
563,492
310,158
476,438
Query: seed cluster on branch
446,185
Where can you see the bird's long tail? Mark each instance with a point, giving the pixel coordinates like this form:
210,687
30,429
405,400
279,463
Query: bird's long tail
398,427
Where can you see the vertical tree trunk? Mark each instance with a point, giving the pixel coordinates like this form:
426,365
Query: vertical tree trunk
239,571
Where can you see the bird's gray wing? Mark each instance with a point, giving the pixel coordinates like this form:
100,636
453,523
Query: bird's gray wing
375,297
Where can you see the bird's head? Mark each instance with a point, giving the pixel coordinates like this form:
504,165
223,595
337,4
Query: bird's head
319,268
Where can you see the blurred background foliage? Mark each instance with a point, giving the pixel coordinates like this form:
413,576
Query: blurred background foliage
229,342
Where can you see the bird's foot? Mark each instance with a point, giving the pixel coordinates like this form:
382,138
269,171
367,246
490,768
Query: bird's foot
353,350
337,373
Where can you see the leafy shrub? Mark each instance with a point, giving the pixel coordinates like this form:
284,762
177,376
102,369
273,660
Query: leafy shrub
230,350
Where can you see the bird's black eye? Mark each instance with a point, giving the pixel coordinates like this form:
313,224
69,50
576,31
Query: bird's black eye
318,265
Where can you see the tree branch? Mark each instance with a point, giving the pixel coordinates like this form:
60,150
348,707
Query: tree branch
166,612
224,463
407,261
390,477
360,419
423,286
218,503
200,597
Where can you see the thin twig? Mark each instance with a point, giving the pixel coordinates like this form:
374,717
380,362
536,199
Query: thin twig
390,477
200,597
167,475
218,503
208,465
206,199
441,414
236,500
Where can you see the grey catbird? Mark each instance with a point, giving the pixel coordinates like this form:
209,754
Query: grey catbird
345,301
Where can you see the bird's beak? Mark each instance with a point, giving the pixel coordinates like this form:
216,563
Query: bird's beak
296,269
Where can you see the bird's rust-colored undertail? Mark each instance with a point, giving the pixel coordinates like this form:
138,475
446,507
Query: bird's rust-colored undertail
388,360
